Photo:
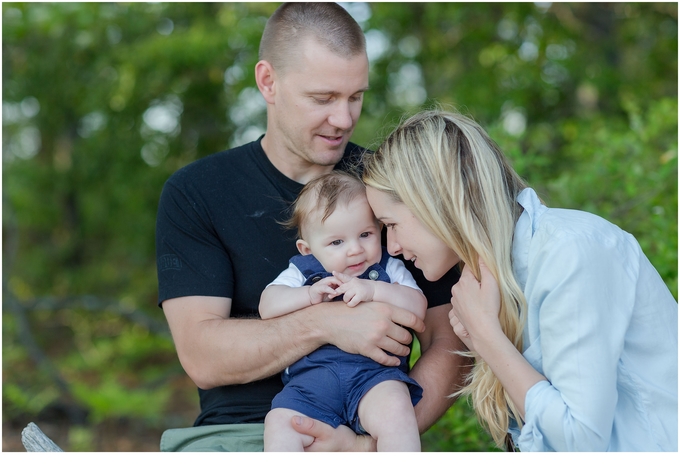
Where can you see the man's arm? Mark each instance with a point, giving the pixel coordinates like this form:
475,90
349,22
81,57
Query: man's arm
215,349
438,370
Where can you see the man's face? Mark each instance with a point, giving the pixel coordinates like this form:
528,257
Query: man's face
317,104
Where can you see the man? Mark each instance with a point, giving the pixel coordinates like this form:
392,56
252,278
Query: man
219,243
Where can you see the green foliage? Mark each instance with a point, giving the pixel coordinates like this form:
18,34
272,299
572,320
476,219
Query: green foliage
102,102
111,398
458,431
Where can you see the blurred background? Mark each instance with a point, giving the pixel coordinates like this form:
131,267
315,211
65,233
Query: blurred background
102,102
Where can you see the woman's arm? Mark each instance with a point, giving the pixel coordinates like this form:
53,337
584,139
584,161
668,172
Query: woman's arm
474,318
580,293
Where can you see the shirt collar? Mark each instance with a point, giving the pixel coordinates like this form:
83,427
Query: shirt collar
524,231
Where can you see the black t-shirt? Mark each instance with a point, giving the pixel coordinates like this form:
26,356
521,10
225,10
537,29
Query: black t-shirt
218,234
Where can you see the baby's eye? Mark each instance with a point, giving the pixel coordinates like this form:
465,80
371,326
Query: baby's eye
365,234
336,242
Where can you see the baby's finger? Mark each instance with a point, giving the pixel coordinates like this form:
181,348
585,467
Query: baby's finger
342,288
330,281
342,277
353,301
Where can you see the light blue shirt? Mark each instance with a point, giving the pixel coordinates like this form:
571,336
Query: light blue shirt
602,327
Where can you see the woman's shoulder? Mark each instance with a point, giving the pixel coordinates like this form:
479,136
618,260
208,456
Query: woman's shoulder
578,238
572,224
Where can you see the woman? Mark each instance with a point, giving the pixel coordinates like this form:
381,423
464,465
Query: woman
573,331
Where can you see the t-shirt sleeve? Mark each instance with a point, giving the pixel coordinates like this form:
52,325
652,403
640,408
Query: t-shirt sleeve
190,258
290,277
400,275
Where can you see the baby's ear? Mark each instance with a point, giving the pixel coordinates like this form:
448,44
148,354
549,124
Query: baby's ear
303,247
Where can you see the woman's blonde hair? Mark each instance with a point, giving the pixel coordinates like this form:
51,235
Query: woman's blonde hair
446,169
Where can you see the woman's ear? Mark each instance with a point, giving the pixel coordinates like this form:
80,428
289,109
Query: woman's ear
303,247
265,77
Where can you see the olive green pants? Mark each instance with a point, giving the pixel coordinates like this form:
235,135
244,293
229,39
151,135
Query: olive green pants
216,438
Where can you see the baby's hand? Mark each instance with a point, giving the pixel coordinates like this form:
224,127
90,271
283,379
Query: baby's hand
355,290
323,290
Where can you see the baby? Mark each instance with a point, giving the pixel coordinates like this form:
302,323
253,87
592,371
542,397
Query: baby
341,258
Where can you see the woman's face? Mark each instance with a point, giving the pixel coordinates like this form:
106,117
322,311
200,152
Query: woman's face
409,237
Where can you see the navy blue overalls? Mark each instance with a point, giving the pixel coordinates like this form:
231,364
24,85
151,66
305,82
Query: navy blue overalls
328,383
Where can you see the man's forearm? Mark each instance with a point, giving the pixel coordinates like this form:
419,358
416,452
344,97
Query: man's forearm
439,371
215,349
256,349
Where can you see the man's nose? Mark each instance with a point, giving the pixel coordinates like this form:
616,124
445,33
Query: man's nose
341,117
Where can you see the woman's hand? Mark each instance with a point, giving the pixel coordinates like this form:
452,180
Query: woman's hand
475,306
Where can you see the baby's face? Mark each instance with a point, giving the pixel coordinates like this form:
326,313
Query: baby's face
348,241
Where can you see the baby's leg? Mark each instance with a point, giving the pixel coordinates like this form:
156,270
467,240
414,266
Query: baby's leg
387,414
279,435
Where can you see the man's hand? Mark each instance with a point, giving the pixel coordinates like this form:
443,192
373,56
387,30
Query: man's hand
370,329
329,439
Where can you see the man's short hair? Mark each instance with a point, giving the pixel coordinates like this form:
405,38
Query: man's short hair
292,23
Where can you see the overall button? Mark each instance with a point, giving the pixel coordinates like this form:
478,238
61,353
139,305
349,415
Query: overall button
373,275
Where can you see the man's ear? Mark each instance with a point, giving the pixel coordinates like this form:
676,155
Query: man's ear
265,77
303,247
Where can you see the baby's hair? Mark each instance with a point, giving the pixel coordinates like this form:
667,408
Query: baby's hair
324,193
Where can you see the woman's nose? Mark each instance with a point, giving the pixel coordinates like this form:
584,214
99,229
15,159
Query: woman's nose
393,247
